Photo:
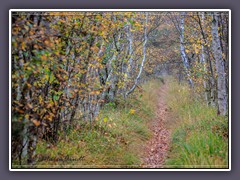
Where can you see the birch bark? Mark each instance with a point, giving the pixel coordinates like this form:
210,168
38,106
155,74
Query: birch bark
221,81
203,61
182,48
144,58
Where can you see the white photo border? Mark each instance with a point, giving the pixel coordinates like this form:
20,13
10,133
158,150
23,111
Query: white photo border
118,10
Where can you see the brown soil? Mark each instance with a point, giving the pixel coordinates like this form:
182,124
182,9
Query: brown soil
155,150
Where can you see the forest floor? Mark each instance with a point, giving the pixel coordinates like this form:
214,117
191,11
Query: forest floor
163,126
157,147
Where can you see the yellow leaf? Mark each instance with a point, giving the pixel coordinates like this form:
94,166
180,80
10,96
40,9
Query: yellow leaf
23,45
105,119
49,118
29,85
27,116
132,111
40,99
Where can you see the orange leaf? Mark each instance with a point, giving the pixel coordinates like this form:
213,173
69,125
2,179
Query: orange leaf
36,122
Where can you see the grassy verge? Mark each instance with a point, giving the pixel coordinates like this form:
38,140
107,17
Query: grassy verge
199,136
114,140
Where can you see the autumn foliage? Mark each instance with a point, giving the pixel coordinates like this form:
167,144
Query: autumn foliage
67,65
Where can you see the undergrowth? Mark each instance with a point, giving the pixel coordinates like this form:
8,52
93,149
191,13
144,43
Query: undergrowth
114,140
199,135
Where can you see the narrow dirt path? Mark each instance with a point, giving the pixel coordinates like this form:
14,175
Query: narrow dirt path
155,150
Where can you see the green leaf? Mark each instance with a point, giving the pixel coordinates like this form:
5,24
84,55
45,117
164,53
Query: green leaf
55,97
132,22
52,78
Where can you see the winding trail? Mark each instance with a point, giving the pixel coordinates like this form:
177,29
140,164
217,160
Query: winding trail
155,150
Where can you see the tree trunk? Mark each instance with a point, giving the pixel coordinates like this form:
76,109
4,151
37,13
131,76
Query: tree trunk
182,48
32,142
203,61
221,81
144,58
211,80
130,39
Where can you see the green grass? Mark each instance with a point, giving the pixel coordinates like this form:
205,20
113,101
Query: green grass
114,140
199,136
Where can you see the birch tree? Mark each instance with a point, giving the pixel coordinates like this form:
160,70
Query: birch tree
144,57
221,81
182,48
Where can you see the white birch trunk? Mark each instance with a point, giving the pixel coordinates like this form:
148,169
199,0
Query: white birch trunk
143,60
203,61
130,39
182,48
